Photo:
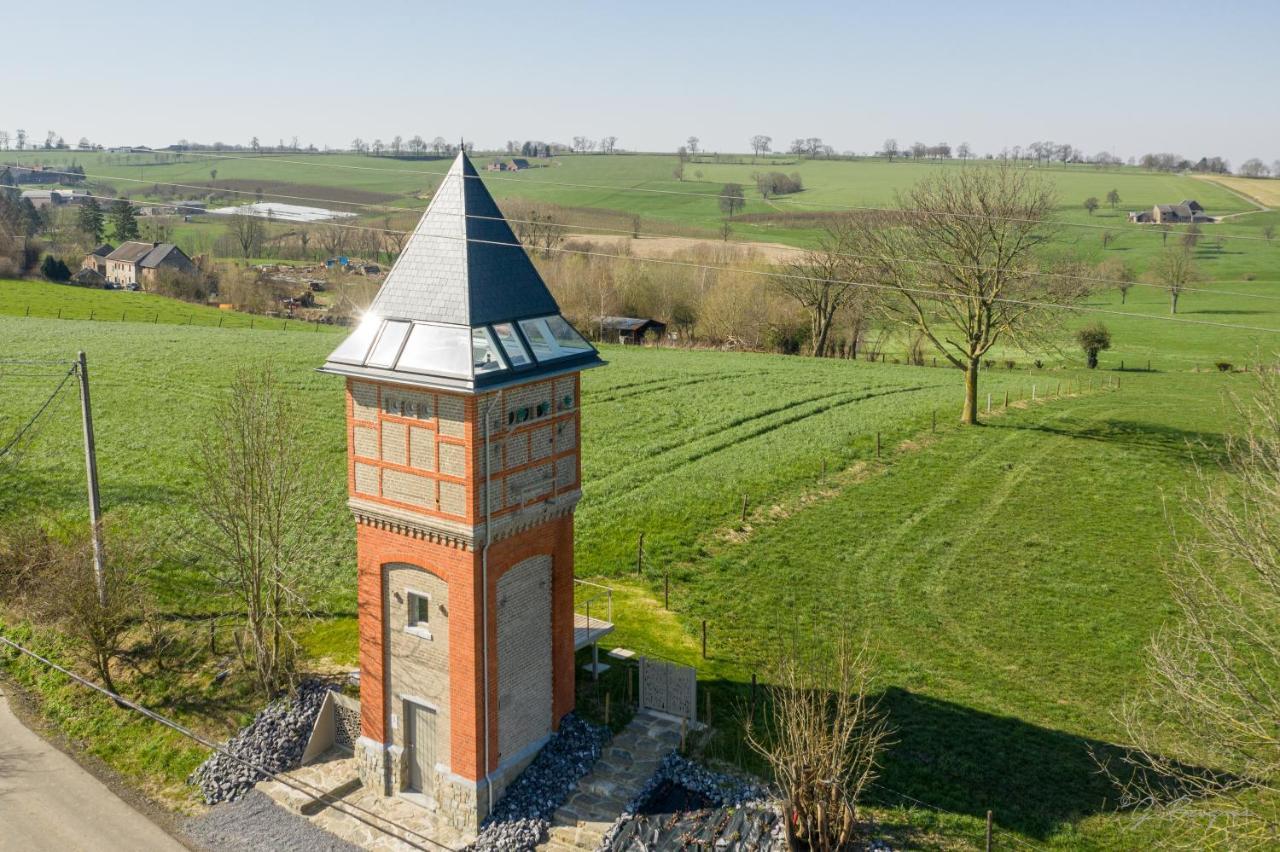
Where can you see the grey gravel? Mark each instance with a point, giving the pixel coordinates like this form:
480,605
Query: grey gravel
254,823
273,741
523,815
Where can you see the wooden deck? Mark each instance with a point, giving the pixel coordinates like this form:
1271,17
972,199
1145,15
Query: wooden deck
588,631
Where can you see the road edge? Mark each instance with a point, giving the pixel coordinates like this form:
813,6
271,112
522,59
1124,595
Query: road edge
26,709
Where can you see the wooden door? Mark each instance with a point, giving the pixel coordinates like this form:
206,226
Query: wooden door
420,744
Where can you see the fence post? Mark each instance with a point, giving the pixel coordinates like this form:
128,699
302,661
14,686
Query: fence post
988,831
59,313
122,313
1033,393
28,311
824,468
935,420
640,555
877,445
744,508
988,403
666,590
704,638
1006,399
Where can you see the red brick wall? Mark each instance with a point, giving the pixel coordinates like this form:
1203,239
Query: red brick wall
461,570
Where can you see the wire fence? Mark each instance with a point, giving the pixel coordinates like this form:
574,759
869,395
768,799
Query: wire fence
202,318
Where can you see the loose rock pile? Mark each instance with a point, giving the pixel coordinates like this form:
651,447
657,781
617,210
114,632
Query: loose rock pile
273,741
521,817
684,800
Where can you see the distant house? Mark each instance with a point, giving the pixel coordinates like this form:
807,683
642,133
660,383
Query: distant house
518,163
87,277
41,198
139,263
1186,211
497,166
97,259
629,329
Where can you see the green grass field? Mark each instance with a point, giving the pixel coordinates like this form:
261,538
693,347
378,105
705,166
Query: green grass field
1007,577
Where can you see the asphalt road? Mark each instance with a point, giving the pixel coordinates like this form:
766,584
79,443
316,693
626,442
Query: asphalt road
47,802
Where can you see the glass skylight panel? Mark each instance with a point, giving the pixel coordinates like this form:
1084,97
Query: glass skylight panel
388,345
511,344
484,353
356,346
535,331
565,336
551,338
437,349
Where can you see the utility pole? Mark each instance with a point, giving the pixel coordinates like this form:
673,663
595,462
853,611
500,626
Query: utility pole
91,468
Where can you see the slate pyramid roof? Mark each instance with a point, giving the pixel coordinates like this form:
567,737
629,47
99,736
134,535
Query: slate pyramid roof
463,307
463,264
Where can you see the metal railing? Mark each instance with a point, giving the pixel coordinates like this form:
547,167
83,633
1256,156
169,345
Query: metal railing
603,597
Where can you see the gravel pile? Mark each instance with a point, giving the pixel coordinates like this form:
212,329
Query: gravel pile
685,800
274,740
522,816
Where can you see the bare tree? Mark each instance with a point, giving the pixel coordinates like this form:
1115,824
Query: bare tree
1091,204
963,151
255,500
692,144
248,231
1254,168
959,262
824,281
822,736
760,144
682,157
1119,274
607,144
1113,198
890,148
1175,269
1214,675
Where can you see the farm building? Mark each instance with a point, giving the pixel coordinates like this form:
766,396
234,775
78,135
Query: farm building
514,165
139,263
40,198
462,428
96,260
1188,210
88,277
629,329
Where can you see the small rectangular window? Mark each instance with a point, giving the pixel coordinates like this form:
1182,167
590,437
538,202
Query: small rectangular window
419,610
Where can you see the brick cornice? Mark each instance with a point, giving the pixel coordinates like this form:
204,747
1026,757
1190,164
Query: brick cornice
461,536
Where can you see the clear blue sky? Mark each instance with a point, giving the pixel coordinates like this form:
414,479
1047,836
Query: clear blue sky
1192,78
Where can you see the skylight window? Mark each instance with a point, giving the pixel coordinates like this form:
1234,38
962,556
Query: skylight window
356,346
484,353
388,346
438,350
552,338
511,345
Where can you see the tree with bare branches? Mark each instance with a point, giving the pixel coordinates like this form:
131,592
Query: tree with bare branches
958,264
248,231
822,735
1214,675
1175,270
256,497
823,282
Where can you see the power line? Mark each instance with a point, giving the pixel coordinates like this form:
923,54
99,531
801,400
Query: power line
18,436
606,188
930,294
300,786
975,267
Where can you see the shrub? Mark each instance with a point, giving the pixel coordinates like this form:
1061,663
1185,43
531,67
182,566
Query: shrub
1093,339
1009,364
1039,364
1223,366
54,269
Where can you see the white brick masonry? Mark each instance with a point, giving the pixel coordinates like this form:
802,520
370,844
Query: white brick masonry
364,401
395,442
422,448
524,655
367,479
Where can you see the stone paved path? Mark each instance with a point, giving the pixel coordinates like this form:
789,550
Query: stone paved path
624,767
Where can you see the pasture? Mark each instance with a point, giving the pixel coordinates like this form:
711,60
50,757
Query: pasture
1007,576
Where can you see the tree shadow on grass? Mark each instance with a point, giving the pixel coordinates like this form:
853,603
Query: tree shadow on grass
1187,444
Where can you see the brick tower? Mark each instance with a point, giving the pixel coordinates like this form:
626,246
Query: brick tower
463,474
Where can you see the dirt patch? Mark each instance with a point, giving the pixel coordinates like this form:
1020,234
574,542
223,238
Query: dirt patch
669,246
